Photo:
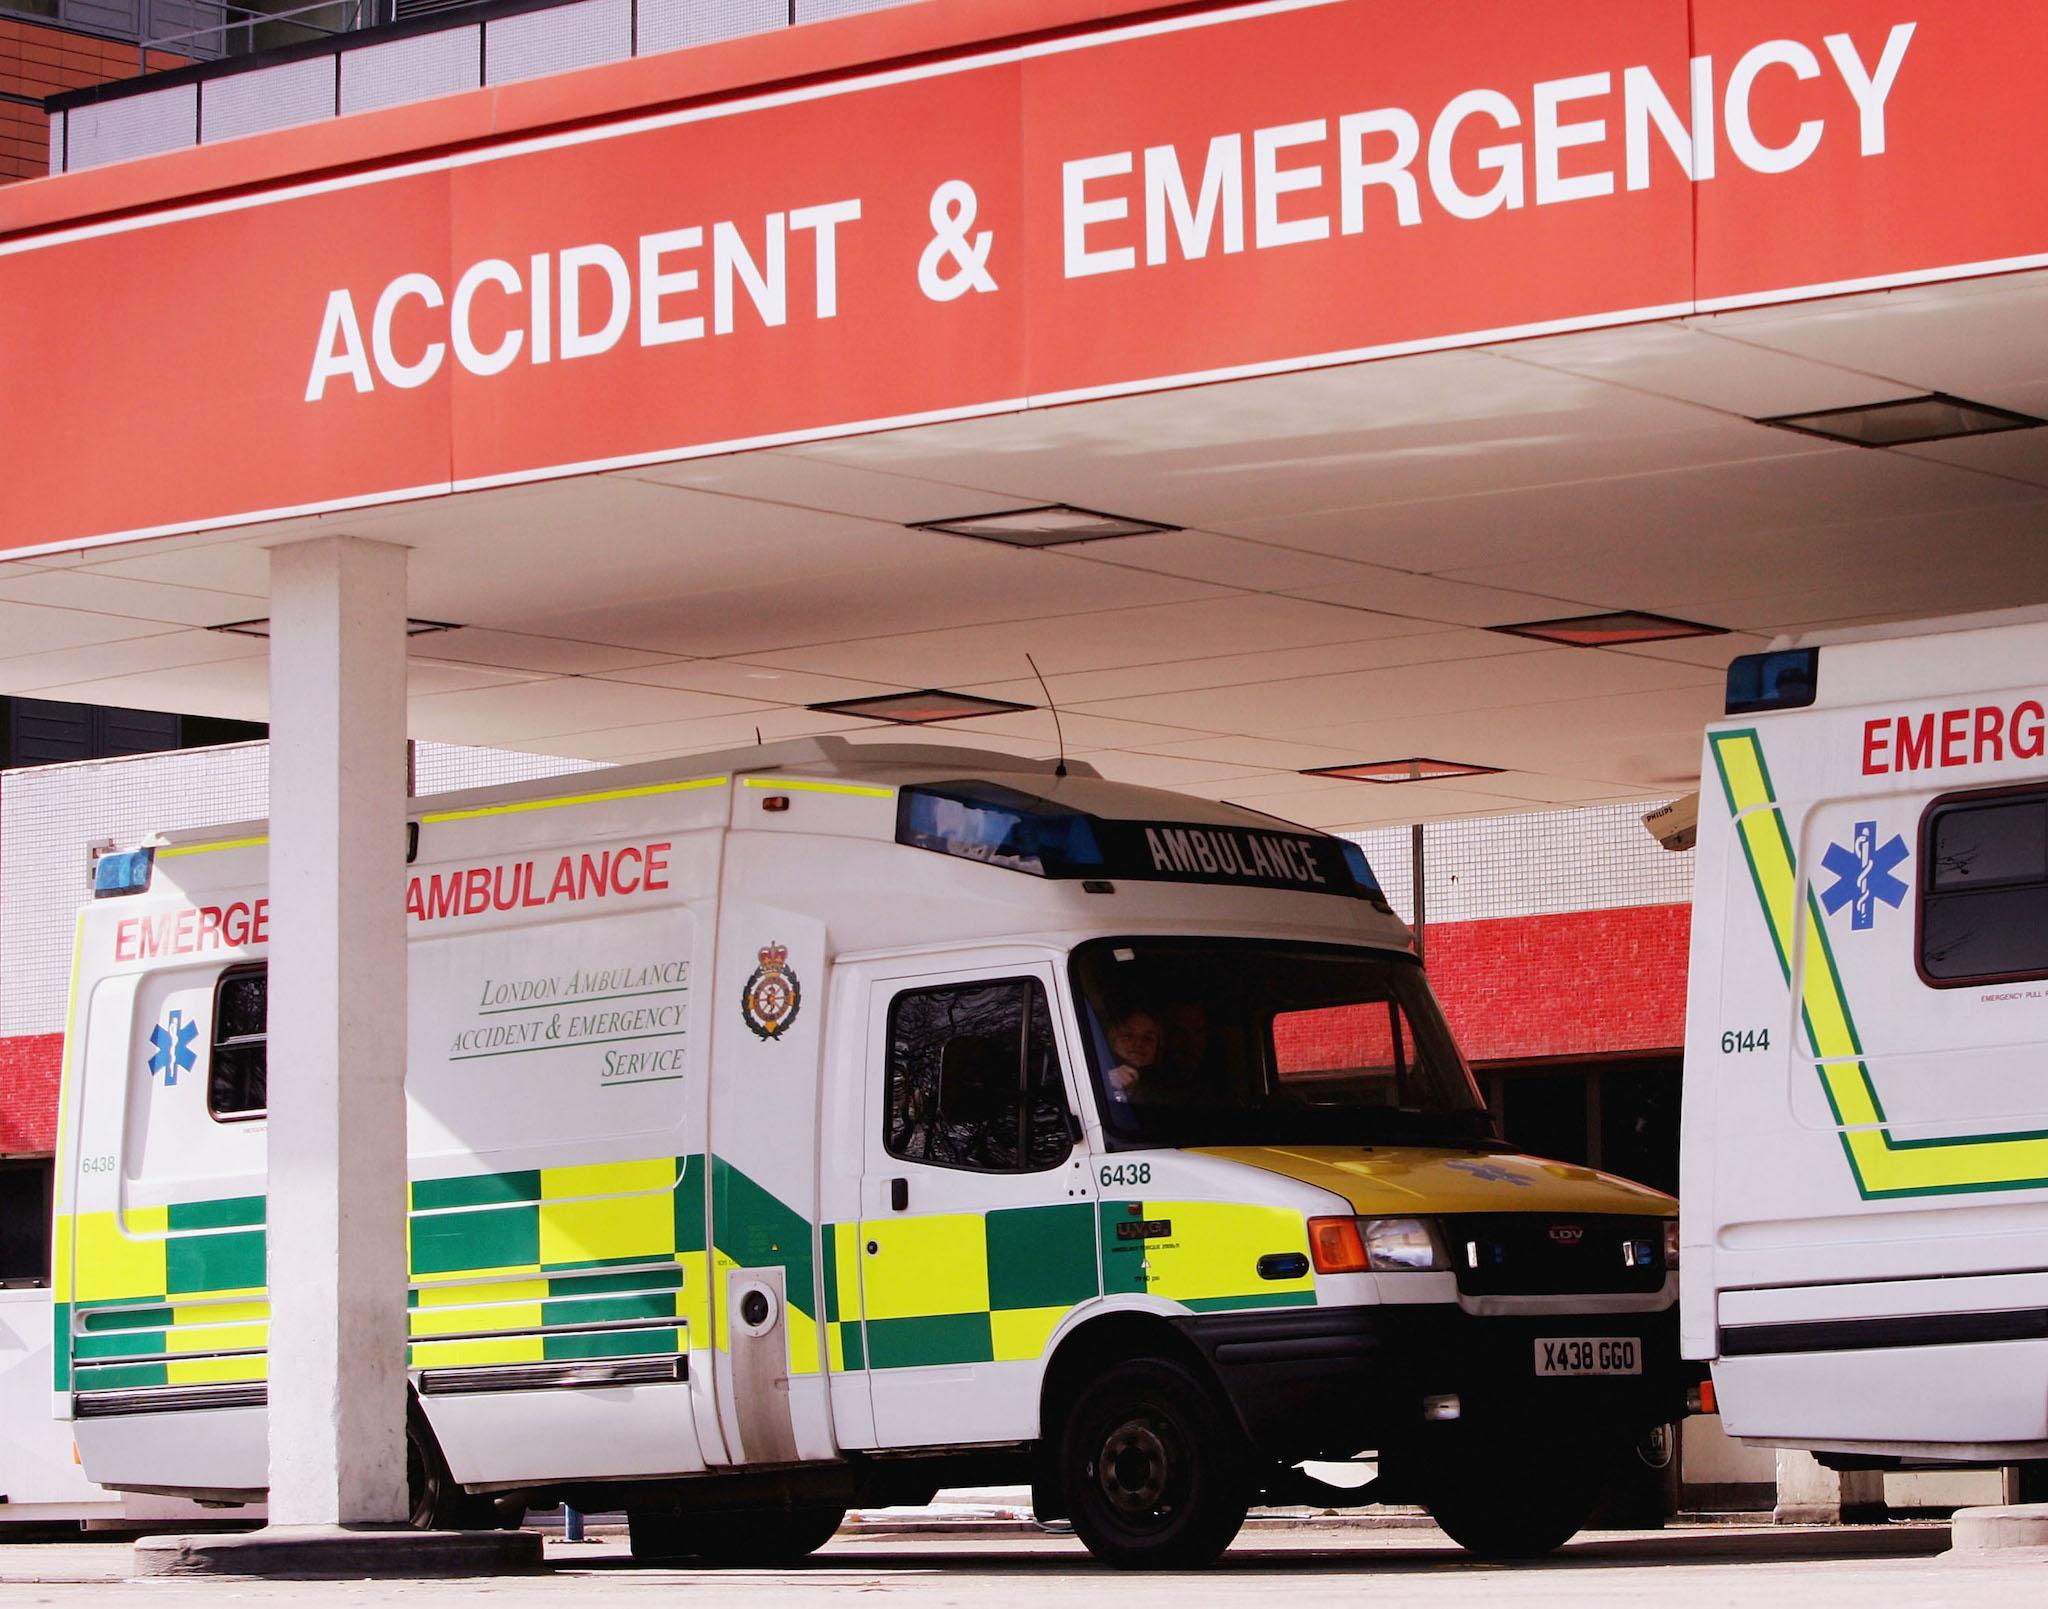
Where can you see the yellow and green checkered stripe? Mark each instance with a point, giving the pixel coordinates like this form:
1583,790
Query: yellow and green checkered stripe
967,1287
542,1265
992,1287
1882,1165
172,1296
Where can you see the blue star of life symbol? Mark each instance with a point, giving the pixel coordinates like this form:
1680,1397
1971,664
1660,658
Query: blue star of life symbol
1488,1172
1863,875
173,1042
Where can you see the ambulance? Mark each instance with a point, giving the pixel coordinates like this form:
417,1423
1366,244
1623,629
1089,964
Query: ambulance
1865,1125
819,1125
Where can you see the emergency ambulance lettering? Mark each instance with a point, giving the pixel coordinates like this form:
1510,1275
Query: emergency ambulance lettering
192,931
634,869
1982,734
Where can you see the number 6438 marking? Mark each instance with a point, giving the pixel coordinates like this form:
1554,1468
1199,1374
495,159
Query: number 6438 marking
1125,1173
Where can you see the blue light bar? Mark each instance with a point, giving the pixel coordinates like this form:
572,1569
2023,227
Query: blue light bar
985,822
127,872
1785,680
1361,871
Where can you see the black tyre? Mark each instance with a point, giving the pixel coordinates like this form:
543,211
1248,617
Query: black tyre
1152,1468
1491,1502
435,1501
738,1538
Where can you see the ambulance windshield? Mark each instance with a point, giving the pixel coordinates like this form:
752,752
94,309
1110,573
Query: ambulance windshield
1261,1042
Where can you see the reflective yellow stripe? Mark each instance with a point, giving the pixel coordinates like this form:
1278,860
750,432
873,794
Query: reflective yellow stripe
793,785
121,1260
1880,1164
613,1209
926,1266
565,800
1215,1248
171,852
1022,1332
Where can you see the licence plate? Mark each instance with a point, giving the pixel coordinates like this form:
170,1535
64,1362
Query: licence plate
1604,1354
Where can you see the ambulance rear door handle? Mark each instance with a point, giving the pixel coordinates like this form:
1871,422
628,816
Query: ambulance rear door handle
899,1195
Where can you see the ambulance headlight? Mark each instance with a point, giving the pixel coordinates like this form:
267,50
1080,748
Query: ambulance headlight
1670,1242
1402,1245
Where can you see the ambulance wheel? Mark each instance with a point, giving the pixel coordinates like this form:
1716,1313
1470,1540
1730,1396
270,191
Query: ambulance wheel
1492,1503
436,1502
739,1538
1152,1469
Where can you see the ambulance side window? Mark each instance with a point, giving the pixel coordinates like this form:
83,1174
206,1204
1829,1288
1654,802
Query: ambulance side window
236,1085
1984,888
974,1081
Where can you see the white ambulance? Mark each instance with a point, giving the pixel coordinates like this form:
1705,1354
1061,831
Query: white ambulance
1865,1167
815,1125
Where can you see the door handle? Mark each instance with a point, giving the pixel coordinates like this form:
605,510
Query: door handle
899,1195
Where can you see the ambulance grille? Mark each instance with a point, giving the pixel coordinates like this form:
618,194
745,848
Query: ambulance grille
1535,1254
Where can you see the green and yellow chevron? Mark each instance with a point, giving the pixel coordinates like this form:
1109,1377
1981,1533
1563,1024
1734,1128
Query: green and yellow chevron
1881,1164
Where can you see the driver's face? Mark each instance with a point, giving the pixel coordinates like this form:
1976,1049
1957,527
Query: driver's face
1136,1039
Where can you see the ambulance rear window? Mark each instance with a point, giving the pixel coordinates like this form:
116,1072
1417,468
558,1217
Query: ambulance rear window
1984,888
237,1083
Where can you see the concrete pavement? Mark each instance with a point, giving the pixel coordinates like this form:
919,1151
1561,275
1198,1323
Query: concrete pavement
1896,1566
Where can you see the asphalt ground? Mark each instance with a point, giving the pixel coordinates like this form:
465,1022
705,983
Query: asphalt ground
1897,1566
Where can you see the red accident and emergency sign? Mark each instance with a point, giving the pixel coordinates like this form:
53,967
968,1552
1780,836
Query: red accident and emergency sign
1217,192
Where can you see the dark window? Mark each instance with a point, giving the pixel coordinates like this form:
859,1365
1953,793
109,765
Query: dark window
974,1081
1984,888
25,1222
41,731
237,1081
1200,1041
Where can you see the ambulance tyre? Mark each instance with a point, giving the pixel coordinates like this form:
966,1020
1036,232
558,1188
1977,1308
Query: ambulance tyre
436,1502
1490,1503
1152,1468
740,1538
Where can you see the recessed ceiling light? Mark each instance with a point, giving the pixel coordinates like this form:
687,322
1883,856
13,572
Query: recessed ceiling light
915,709
261,627
1049,526
1934,417
1613,629
1411,770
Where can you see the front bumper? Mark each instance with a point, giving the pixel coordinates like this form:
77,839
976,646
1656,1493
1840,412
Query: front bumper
1337,1381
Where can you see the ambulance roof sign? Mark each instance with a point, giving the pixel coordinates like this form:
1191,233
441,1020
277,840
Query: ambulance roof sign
1024,833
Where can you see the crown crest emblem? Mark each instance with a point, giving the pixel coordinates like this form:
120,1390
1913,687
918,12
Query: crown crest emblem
770,1000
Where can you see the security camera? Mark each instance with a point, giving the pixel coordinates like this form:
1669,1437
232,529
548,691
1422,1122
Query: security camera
1675,825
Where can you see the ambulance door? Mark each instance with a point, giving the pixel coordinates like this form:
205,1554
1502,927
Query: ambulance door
977,1233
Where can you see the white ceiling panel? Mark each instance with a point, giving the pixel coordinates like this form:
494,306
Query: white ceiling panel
1226,561
1313,703
527,712
738,678
1967,337
147,601
1100,639
55,675
541,656
793,478
988,585
1708,365
1085,689
29,630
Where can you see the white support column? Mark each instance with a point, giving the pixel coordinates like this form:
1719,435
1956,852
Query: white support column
337,1033
1811,1494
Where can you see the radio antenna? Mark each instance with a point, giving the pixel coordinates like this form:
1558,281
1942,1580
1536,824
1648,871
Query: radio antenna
1059,770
